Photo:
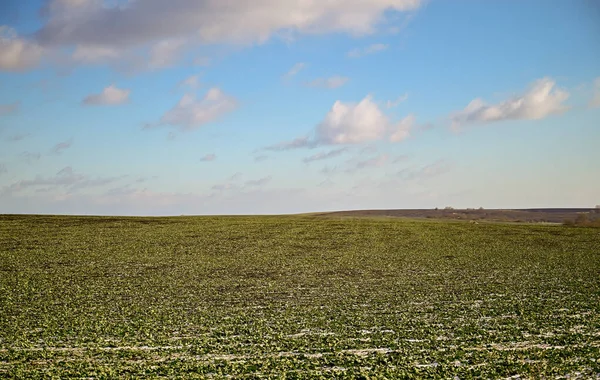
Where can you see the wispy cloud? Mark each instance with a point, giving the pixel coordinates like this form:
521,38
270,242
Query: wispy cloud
401,158
426,172
261,158
595,101
234,184
30,157
300,142
294,70
225,186
372,49
402,129
202,61
17,53
373,162
165,53
397,101
235,177
330,83
258,182
8,109
62,146
192,82
325,155
17,137
111,95
191,113
209,157
66,178
94,54
541,100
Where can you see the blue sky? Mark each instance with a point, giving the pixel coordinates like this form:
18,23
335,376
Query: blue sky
146,107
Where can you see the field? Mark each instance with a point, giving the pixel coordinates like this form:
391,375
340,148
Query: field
296,297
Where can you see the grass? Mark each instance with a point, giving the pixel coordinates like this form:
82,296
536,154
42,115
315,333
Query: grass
296,297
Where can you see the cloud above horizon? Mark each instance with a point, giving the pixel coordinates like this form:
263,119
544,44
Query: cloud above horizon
541,100
164,29
62,146
191,113
352,123
111,95
208,157
294,70
595,101
16,53
330,83
9,109
372,49
66,179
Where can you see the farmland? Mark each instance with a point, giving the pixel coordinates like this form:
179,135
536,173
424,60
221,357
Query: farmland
296,297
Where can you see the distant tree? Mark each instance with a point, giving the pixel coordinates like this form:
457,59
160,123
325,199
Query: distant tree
448,208
480,208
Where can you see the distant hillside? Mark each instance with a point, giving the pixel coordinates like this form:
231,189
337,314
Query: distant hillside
548,215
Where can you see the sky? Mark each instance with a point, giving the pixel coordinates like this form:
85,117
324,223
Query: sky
203,107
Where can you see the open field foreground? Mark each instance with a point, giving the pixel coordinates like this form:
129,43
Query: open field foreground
296,297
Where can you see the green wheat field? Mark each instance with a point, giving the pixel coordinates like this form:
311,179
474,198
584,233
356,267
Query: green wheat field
296,297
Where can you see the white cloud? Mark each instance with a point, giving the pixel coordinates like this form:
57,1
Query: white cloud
541,100
372,49
155,33
202,61
209,157
94,54
165,53
16,53
191,82
106,31
595,102
332,82
76,22
352,123
402,129
8,109
396,103
111,95
190,113
295,70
